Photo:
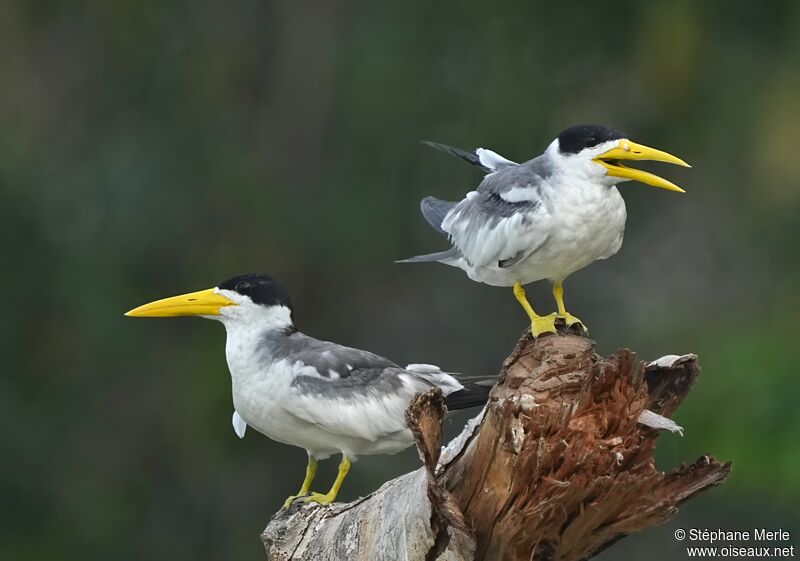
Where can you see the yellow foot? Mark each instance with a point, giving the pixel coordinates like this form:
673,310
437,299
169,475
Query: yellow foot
543,324
320,498
571,320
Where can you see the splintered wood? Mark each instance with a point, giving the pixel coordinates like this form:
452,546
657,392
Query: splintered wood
557,468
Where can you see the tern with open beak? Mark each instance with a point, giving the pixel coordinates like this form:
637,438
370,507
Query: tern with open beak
545,218
320,396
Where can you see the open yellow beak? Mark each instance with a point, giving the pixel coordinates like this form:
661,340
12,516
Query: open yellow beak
627,150
202,303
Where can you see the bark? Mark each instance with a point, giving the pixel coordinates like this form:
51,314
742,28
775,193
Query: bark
558,466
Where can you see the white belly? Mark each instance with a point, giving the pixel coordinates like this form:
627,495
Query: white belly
580,225
259,396
261,409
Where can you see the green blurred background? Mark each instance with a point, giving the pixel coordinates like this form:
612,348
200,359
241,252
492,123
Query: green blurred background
149,148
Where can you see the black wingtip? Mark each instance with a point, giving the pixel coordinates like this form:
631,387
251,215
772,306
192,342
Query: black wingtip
469,157
474,394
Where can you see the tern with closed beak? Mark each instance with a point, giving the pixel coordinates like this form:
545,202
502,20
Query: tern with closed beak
545,218
320,396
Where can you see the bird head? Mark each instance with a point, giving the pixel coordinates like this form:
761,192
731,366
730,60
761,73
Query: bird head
599,153
244,300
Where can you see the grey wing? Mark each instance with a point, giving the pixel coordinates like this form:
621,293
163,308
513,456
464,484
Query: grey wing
330,360
501,223
343,390
369,404
435,210
447,256
369,401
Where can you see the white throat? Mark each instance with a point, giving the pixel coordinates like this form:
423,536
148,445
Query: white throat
248,327
581,167
252,317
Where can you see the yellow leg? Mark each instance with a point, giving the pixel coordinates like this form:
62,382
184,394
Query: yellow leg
330,496
311,473
558,294
539,324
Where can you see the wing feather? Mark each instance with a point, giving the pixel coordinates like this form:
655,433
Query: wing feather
489,229
435,210
368,404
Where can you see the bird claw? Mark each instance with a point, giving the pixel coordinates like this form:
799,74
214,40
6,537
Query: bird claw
288,502
571,321
553,323
320,498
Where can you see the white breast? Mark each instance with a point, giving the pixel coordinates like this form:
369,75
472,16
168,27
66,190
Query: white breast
260,387
587,223
265,399
577,224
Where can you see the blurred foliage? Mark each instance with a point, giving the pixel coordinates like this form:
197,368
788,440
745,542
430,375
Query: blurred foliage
148,148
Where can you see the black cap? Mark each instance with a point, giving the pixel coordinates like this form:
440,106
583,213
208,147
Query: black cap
261,288
579,137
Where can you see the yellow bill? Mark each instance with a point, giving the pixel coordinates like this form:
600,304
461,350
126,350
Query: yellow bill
627,150
202,303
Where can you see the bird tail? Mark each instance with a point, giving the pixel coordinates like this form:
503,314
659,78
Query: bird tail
475,393
443,257
470,157
483,158
435,210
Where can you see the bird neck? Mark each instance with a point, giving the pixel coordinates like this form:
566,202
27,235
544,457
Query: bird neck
252,317
251,337
571,169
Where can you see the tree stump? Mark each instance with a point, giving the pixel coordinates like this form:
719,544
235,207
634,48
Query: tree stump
558,466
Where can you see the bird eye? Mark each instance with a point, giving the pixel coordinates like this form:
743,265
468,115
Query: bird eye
591,141
242,287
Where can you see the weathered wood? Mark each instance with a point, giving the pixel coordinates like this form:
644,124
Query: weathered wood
557,466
